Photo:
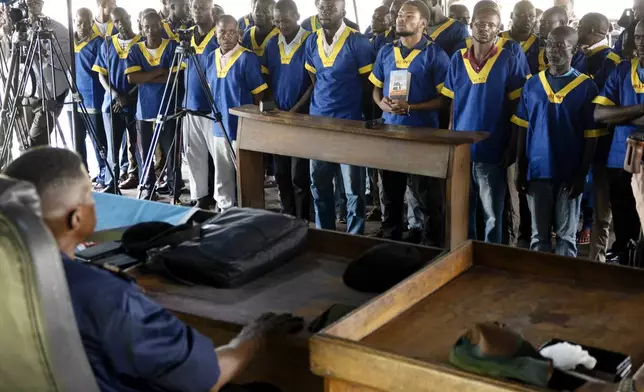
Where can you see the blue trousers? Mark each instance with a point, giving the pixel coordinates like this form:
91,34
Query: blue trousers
546,200
353,179
487,190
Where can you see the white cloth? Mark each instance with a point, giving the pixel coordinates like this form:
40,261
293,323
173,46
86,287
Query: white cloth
603,42
225,176
329,48
102,27
153,52
288,48
123,43
225,57
199,144
566,356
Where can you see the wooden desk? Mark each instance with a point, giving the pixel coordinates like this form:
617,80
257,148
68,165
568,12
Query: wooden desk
306,287
400,341
429,152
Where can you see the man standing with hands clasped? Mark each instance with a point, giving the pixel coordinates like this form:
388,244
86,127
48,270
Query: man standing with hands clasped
557,137
423,65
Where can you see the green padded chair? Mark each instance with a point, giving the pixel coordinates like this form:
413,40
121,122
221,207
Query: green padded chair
40,347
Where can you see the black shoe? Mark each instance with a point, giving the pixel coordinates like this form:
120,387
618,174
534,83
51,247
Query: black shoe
163,189
205,203
415,236
145,195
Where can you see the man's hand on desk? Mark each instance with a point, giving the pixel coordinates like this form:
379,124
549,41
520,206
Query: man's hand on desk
270,324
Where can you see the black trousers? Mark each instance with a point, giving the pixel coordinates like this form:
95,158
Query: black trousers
293,179
430,194
145,132
626,222
38,133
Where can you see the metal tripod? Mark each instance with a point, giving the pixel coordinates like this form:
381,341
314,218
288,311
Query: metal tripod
183,51
27,50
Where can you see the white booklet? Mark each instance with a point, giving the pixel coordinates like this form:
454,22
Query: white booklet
399,82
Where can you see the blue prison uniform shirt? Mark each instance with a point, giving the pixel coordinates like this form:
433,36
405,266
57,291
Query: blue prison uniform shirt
132,343
245,22
89,85
150,94
558,114
167,32
116,65
338,87
503,43
449,35
427,64
623,87
482,101
578,61
234,85
195,96
530,48
288,77
382,39
249,40
110,30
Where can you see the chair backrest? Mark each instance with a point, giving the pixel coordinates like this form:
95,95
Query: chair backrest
40,347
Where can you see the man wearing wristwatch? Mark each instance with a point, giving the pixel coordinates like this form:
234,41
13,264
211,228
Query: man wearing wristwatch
425,65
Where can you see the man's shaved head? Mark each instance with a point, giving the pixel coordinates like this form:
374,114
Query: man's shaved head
565,33
119,11
593,28
58,175
524,17
551,19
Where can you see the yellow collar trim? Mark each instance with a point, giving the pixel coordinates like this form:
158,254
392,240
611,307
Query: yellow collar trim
559,96
543,65
286,59
479,77
525,45
170,33
257,48
500,42
404,63
246,20
314,23
638,86
122,53
154,61
442,28
204,42
330,60
80,46
597,50
108,31
221,73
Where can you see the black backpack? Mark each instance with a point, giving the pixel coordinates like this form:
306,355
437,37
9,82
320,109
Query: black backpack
229,250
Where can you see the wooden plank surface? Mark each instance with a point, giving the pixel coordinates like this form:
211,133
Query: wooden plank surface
426,135
457,197
540,308
360,149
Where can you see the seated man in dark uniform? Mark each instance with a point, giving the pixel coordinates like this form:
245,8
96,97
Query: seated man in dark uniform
132,343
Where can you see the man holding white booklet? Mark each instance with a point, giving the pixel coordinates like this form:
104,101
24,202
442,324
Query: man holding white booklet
408,76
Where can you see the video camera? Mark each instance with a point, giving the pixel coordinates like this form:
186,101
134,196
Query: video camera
185,35
18,14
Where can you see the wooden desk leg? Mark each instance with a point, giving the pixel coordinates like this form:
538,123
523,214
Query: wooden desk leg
250,179
333,385
457,197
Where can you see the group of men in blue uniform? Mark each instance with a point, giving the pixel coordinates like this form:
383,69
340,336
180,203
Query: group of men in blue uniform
527,176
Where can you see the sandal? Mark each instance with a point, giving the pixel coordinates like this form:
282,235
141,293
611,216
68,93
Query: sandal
583,237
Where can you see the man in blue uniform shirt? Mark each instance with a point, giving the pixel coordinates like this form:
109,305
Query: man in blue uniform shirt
176,20
446,32
550,19
198,139
427,65
601,61
148,65
246,21
524,17
291,87
132,343
110,66
460,13
556,144
235,78
484,83
621,104
256,37
103,25
313,23
86,49
339,60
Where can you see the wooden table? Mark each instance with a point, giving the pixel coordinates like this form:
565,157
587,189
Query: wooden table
425,151
399,342
305,287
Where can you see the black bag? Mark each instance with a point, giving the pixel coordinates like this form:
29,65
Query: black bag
229,250
635,252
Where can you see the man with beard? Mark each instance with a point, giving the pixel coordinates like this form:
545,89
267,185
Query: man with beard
524,17
556,143
339,60
256,37
120,95
427,64
600,62
148,65
198,139
235,78
621,104
484,83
